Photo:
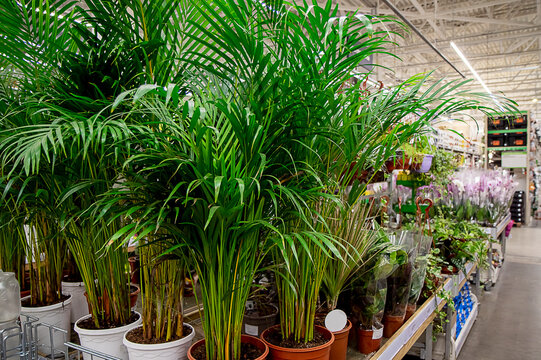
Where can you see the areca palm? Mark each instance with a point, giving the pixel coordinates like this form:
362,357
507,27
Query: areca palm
245,127
69,60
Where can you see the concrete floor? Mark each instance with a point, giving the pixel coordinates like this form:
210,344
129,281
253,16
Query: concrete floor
509,323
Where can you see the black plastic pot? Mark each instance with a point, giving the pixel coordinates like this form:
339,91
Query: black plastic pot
255,324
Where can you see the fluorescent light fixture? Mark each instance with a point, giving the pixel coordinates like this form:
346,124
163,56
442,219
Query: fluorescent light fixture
472,70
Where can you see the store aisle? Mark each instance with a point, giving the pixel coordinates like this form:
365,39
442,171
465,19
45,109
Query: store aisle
509,321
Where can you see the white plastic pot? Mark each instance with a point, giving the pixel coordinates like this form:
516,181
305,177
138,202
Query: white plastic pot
107,341
57,315
79,306
177,349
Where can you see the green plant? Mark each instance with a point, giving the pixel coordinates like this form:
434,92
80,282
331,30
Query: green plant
69,62
353,228
12,242
460,242
434,286
423,244
299,276
417,148
369,284
162,285
444,165
256,130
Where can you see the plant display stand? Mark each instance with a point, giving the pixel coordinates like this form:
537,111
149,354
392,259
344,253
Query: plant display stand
411,181
420,323
20,340
490,277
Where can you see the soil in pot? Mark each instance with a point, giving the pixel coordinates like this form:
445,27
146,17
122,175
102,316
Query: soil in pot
136,336
275,338
28,302
251,348
88,323
368,341
391,324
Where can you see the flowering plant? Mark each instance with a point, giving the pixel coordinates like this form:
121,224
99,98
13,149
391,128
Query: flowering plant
483,196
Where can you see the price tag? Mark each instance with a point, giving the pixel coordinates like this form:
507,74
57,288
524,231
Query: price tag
377,333
251,330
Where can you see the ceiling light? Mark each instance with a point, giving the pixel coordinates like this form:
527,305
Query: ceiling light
472,70
534,100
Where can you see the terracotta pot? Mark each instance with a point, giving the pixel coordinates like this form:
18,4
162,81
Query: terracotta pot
246,339
321,352
410,310
366,344
134,269
391,324
134,295
339,347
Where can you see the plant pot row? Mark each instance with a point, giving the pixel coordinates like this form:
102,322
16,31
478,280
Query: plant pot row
114,341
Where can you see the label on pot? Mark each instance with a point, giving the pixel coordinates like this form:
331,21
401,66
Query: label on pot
251,330
377,333
336,320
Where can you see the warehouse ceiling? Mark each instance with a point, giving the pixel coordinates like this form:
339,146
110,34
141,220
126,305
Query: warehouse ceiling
501,39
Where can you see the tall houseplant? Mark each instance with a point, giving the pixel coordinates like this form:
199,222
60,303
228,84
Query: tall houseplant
163,332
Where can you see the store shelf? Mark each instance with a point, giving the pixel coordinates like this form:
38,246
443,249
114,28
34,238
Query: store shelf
507,131
401,342
459,342
497,230
508,148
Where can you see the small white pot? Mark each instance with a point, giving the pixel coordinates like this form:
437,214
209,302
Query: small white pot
107,341
57,315
177,349
79,306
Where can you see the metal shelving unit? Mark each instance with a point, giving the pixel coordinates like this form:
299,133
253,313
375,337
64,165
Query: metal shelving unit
497,233
523,149
420,323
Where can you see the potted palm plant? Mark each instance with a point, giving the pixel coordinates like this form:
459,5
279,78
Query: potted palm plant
12,241
213,214
299,275
45,248
64,98
163,333
353,226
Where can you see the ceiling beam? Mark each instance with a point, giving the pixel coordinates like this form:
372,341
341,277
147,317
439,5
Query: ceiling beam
470,58
468,6
480,38
432,23
500,69
430,16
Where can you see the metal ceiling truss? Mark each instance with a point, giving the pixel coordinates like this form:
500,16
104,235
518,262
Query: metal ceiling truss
501,39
